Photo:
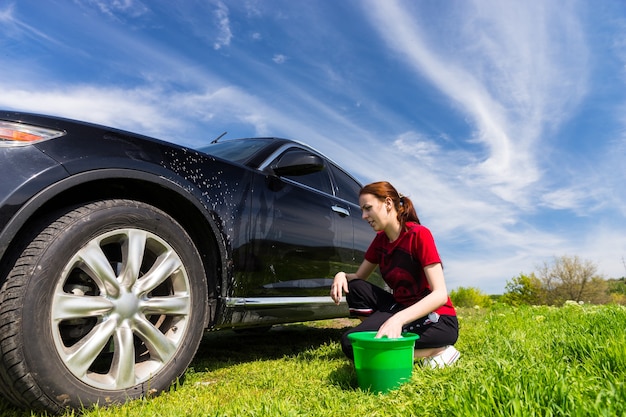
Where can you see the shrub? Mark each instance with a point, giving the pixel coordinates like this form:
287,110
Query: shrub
469,297
523,290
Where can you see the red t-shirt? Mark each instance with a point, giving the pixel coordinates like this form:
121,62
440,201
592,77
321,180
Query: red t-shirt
402,263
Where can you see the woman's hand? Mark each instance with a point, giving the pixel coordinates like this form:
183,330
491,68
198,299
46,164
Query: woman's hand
340,285
392,328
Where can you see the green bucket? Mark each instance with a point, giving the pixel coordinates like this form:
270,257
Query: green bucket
382,364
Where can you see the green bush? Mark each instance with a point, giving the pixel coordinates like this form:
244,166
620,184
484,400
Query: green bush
523,289
469,297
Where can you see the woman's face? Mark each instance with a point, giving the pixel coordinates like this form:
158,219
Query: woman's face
375,211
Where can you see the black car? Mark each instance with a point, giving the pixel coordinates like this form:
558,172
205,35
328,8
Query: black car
118,251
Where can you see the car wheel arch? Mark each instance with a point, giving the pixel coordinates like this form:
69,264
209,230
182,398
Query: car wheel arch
176,197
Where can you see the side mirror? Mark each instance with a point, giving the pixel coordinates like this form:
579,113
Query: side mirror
297,163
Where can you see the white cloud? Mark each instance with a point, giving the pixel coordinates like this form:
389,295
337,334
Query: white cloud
15,27
6,14
501,68
565,199
120,8
223,22
135,110
279,58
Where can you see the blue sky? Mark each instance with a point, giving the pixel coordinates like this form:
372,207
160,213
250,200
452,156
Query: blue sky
504,121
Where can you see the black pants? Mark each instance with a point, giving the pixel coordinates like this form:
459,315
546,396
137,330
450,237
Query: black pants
377,305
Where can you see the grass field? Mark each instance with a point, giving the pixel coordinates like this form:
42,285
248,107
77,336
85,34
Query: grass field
529,361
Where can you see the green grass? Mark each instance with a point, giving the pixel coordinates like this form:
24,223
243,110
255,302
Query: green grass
530,361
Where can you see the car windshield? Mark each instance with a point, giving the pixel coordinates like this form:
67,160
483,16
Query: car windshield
238,150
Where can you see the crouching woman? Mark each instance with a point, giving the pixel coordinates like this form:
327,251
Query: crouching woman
409,263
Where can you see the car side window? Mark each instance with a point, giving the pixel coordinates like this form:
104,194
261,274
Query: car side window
319,180
345,186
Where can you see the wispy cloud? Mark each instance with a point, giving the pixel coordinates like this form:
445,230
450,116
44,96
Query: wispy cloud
501,68
135,109
120,8
6,14
15,27
223,23
279,58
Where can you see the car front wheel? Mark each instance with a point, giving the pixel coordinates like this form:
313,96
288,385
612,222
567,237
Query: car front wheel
106,303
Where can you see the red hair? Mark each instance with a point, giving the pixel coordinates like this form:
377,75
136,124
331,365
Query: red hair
403,205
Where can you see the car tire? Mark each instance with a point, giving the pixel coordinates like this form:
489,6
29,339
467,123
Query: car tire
106,303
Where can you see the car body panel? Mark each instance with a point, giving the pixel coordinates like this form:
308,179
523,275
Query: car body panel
25,172
278,242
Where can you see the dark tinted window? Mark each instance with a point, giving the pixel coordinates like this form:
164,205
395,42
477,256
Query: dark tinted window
345,186
319,180
239,151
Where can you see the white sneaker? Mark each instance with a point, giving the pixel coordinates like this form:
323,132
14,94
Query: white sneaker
445,358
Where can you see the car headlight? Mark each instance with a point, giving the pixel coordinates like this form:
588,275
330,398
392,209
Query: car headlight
18,134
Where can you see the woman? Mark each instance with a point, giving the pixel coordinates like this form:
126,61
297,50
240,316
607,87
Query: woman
410,265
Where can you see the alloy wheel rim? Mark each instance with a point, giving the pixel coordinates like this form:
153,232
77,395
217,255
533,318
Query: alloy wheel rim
120,309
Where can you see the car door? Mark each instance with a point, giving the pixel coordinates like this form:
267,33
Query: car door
353,228
298,233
